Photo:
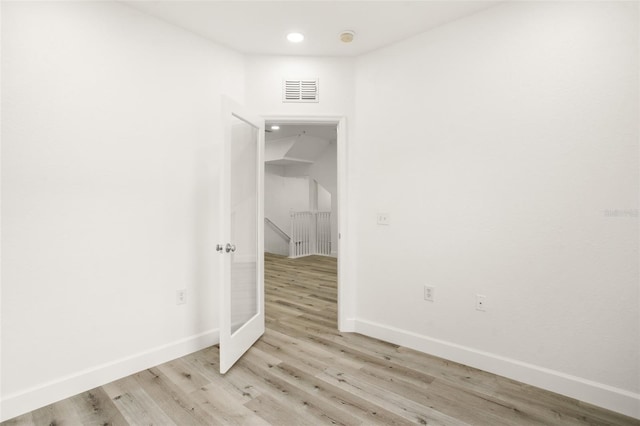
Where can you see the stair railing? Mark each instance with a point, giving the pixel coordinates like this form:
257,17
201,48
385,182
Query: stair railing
282,244
310,233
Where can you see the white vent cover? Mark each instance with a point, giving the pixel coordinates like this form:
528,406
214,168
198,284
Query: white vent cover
300,91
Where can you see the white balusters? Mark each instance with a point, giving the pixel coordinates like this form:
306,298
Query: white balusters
323,233
310,233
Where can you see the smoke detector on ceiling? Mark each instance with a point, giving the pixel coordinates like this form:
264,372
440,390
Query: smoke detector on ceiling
347,36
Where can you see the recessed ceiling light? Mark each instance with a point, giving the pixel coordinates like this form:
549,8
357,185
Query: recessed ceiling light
347,36
274,127
295,37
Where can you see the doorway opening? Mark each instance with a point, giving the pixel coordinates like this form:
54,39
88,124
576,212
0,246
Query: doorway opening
304,191
300,190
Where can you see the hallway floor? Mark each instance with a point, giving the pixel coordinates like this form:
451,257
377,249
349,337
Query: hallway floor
304,372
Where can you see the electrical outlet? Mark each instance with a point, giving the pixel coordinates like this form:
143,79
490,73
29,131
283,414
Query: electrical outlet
481,302
384,219
181,296
429,293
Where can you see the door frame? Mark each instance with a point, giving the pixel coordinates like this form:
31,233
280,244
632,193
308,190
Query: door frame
346,320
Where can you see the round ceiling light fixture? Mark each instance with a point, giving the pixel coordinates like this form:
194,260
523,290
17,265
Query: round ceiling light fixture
347,36
295,37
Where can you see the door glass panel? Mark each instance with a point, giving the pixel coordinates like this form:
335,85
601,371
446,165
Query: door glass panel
244,214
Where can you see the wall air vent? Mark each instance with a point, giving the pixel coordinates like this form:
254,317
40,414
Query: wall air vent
300,91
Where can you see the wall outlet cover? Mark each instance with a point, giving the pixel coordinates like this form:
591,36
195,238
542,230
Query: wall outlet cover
384,219
181,296
481,302
429,293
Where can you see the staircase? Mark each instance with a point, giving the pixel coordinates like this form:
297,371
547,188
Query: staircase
276,241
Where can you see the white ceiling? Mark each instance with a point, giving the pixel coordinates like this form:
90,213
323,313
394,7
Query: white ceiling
260,27
323,131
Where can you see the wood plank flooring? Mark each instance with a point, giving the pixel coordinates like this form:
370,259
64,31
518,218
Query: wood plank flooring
304,372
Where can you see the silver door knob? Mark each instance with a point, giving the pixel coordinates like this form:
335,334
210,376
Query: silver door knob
230,247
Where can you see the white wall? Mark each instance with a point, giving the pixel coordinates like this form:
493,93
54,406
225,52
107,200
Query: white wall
324,199
109,193
325,171
264,76
283,194
274,242
501,142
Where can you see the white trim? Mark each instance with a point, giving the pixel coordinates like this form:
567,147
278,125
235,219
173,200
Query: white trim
349,326
609,397
346,286
81,381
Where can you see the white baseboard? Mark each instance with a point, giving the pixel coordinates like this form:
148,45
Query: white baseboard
599,394
348,325
47,393
609,397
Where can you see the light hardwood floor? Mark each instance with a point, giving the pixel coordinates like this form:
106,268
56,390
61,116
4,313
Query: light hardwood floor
304,372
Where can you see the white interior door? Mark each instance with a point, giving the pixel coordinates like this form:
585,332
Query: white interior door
242,249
